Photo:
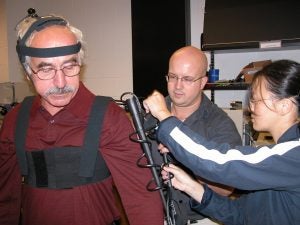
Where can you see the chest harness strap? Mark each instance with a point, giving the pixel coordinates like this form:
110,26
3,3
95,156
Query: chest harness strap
63,167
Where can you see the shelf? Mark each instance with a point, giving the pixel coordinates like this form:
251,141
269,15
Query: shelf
227,86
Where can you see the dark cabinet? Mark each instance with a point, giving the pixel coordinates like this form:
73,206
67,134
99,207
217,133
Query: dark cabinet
158,29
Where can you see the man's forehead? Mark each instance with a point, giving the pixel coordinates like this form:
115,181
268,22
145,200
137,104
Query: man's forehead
53,61
184,69
53,36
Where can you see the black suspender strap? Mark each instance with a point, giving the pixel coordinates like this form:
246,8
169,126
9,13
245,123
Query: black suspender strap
20,133
91,166
91,140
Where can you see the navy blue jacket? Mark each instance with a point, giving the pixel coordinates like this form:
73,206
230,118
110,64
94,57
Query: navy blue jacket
271,174
213,123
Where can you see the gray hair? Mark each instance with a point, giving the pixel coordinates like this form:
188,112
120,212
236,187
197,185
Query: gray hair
24,25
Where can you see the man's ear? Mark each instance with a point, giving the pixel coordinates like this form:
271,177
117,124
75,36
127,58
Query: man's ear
204,81
28,77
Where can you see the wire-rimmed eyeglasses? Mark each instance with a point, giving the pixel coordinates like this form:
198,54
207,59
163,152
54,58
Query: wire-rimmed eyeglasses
48,73
171,77
256,101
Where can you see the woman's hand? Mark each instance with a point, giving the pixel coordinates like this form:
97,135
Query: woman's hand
162,149
183,182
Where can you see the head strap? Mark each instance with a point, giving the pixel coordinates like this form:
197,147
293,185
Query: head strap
48,52
40,24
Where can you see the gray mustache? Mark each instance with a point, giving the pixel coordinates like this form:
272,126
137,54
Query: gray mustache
56,90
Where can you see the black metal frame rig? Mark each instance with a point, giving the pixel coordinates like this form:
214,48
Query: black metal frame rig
145,126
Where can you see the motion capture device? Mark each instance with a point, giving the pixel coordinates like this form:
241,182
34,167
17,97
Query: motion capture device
145,127
40,24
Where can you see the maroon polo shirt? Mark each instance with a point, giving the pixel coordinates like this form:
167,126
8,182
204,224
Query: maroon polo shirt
91,204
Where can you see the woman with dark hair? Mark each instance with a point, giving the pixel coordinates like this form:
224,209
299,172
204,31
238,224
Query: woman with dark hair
270,174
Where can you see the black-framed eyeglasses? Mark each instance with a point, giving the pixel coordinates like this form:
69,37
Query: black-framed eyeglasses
171,77
48,73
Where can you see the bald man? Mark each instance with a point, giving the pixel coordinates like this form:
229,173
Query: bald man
186,79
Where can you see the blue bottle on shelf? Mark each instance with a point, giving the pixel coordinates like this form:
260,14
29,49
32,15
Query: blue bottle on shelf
213,75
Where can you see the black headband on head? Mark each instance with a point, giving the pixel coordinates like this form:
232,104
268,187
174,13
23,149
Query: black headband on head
49,52
38,25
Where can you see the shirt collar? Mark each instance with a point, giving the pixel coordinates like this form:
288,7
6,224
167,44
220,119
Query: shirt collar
78,106
201,112
292,133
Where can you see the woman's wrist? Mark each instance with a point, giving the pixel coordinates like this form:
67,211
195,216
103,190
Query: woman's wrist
195,190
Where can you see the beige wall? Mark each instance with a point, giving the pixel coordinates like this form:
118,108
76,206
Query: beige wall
3,45
107,28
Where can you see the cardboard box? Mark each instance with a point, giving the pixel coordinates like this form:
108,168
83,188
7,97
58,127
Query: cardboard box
252,68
